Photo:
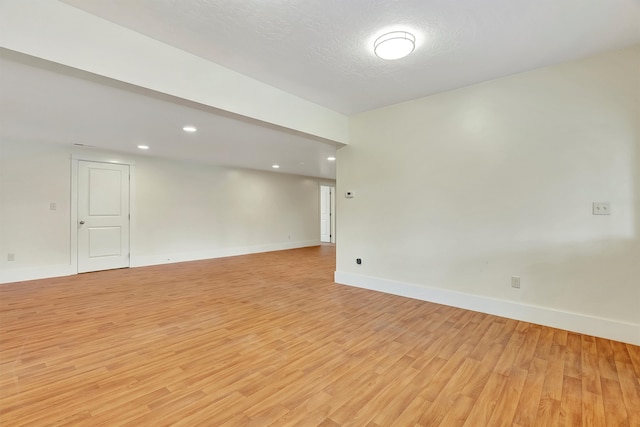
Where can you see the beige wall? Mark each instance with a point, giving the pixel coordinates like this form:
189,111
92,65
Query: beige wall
182,211
457,192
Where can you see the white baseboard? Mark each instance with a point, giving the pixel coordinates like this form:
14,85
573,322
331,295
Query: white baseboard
35,273
143,261
575,322
22,274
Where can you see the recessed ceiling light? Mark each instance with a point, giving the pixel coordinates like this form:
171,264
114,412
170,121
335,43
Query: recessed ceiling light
275,166
331,159
394,45
143,147
189,129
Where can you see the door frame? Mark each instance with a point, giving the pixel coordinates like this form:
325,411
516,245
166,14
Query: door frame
332,209
76,158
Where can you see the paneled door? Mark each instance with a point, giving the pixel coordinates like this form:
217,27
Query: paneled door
103,216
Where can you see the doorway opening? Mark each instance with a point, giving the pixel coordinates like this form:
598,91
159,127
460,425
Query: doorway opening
327,214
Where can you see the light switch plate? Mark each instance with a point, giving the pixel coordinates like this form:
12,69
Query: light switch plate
601,208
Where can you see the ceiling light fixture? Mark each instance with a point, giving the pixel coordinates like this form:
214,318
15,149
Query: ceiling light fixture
331,159
143,147
394,45
275,166
189,129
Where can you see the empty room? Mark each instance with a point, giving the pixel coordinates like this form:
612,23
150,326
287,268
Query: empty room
320,213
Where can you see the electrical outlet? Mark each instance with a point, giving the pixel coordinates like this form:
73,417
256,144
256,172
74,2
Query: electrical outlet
515,282
53,206
601,208
11,257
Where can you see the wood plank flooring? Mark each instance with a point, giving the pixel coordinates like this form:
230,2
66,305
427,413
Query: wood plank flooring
269,339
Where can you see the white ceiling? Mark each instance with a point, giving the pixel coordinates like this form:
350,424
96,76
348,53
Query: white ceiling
319,50
50,103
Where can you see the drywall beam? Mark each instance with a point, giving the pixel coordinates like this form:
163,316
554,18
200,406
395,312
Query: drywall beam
66,35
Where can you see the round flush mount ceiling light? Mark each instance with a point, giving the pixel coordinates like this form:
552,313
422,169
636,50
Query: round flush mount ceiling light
331,159
143,147
189,129
275,166
394,45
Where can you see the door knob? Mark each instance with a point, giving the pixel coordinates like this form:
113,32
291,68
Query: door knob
81,222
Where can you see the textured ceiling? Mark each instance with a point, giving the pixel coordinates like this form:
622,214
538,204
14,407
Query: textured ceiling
321,49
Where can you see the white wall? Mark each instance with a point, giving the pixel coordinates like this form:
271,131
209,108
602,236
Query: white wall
186,211
457,192
31,177
182,211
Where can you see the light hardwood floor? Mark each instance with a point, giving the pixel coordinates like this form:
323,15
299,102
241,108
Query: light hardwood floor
269,339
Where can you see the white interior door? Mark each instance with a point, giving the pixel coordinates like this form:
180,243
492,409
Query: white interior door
103,216
325,214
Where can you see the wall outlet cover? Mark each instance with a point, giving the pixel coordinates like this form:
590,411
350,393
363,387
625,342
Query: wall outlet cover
601,208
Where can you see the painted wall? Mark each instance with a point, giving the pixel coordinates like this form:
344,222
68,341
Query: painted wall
185,211
31,177
181,211
457,192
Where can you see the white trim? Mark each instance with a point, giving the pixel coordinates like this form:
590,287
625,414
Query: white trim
331,208
102,158
142,261
132,210
576,322
73,227
22,274
333,214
